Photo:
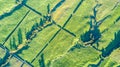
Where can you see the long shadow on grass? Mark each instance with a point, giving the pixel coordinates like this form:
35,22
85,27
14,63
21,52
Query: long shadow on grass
57,5
102,20
51,39
93,34
41,61
114,44
15,27
12,11
49,42
118,19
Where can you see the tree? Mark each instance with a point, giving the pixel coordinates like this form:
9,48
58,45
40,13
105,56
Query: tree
114,44
14,44
36,24
41,22
41,61
91,36
20,39
48,8
28,34
10,43
33,28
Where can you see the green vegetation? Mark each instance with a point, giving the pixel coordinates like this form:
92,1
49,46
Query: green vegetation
77,58
6,6
60,33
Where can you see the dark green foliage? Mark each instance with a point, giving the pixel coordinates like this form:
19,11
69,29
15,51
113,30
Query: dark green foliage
1,61
93,34
20,39
118,66
34,27
49,63
48,8
86,36
36,24
112,45
10,43
41,61
28,34
41,22
13,45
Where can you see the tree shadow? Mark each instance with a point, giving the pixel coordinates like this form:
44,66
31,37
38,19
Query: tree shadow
118,19
15,28
93,34
22,49
57,5
41,61
102,20
114,44
13,10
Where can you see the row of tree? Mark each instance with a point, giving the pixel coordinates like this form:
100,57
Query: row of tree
93,34
34,29
38,26
29,35
13,45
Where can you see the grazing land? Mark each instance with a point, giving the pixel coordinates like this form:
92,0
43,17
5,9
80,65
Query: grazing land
59,33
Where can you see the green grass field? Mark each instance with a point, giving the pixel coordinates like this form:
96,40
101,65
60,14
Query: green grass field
61,23
6,6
